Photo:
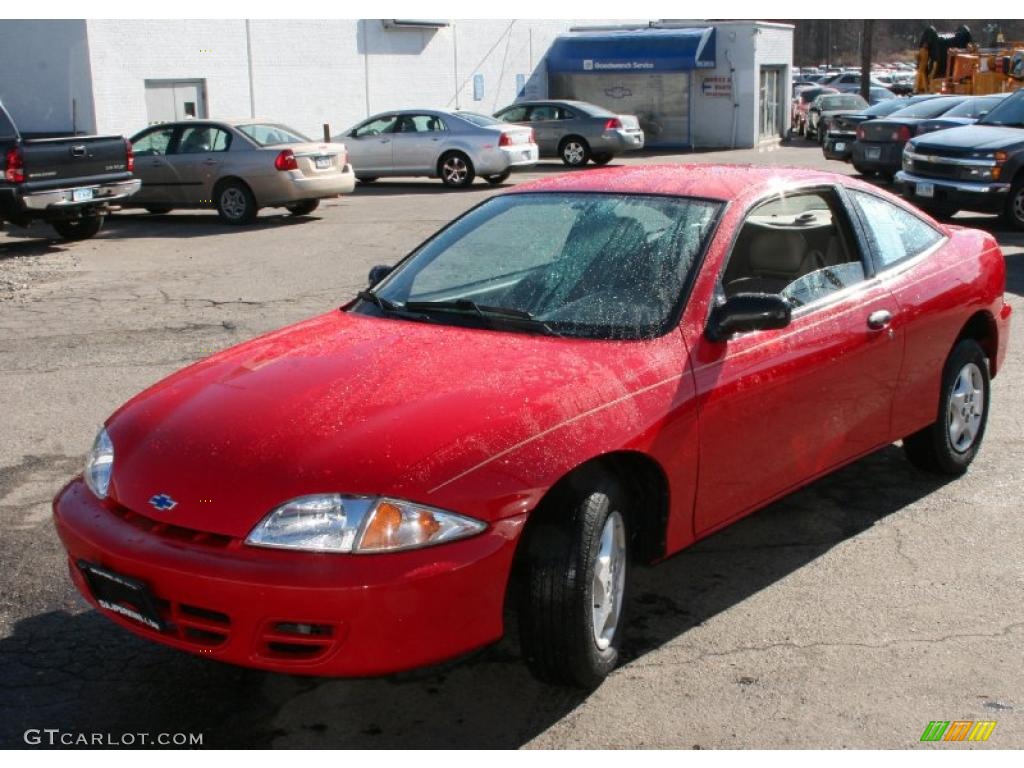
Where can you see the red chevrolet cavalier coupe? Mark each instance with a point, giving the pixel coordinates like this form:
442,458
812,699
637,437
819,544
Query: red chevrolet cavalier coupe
576,375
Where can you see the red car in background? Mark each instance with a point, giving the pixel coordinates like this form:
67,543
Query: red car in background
799,118
576,375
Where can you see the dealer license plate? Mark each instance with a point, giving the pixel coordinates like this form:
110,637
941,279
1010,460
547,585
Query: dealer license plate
924,189
322,162
873,153
81,195
122,595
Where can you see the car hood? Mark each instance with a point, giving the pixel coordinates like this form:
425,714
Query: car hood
355,404
976,137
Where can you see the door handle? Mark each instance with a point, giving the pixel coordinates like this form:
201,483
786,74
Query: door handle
879,319
385,141
209,161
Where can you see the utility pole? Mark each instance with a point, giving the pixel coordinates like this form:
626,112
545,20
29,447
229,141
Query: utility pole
865,59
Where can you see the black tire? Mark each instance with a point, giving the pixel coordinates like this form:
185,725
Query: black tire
557,596
78,229
498,178
367,179
933,449
235,203
304,208
602,158
158,209
939,212
863,171
574,151
1014,213
456,170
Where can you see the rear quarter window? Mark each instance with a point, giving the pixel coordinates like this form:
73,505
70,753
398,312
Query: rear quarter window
895,234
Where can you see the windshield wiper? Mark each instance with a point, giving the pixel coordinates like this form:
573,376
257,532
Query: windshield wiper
385,305
483,310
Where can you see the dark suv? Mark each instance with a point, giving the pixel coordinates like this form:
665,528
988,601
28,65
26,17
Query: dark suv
976,167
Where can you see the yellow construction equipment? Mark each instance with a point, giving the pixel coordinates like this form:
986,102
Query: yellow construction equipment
952,63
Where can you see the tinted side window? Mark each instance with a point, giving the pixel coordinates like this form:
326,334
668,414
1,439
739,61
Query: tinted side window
375,127
895,233
153,143
513,115
203,138
539,114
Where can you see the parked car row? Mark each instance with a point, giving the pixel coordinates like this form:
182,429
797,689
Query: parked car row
238,167
944,153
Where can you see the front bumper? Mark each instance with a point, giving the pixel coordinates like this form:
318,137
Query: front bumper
64,199
295,612
982,196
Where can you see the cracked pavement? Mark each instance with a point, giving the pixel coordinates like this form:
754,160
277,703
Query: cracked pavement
848,614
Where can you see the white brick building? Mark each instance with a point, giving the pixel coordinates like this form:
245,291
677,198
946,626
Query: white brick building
118,76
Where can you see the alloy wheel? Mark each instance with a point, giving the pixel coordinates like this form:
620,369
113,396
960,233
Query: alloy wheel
573,153
455,170
966,408
609,584
233,202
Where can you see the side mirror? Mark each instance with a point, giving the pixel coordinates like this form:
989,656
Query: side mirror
748,312
378,273
982,113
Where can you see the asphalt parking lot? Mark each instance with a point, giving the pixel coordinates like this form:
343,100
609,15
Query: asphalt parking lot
849,614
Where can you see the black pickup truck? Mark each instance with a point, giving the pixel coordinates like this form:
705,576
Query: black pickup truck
68,181
977,167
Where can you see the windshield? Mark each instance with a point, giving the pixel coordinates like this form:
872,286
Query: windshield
974,107
929,108
842,101
1009,112
887,107
477,119
269,134
590,265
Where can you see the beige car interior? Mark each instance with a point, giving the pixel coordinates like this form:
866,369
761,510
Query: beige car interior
799,246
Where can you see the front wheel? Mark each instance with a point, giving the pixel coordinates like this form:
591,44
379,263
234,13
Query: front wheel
157,210
236,203
949,445
498,178
457,170
574,585
78,229
304,208
1014,214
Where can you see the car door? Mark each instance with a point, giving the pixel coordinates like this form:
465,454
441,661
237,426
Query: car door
546,127
152,149
370,148
198,160
416,143
780,407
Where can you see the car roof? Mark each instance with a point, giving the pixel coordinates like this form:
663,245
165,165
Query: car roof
704,180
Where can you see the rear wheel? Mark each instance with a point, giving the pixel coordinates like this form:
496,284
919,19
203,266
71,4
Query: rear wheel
949,445
304,208
158,209
574,585
236,203
1014,214
602,158
574,151
367,179
498,178
456,170
78,229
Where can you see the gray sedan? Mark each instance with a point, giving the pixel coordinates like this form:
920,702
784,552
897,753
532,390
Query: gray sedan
237,167
455,146
576,131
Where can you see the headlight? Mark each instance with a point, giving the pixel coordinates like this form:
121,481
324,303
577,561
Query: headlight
339,523
100,464
982,172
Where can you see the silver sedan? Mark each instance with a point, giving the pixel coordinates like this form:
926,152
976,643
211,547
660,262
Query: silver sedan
237,167
454,146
